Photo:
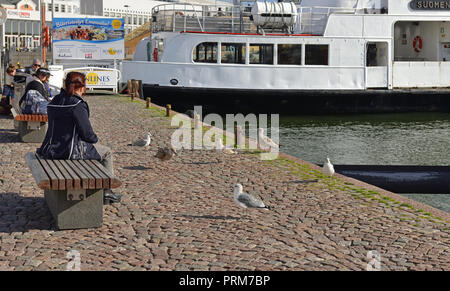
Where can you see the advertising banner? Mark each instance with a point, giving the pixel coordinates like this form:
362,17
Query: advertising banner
99,78
88,38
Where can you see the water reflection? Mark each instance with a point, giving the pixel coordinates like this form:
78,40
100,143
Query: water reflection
382,139
388,139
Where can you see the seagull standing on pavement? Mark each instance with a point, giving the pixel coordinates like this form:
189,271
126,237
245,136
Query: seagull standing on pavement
145,142
265,142
245,200
328,169
196,121
219,144
222,148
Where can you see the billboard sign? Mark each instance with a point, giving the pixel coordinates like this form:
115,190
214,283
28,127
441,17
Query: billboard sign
99,78
88,38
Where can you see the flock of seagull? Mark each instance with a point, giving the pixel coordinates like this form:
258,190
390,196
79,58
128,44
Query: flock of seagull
242,199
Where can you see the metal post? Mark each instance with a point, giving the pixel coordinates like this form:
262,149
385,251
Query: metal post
53,17
40,29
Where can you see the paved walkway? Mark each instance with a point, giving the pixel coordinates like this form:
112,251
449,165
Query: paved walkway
180,215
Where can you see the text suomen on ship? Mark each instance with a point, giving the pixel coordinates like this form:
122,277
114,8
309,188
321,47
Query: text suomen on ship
433,5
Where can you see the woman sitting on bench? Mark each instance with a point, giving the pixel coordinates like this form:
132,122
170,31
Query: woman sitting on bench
71,137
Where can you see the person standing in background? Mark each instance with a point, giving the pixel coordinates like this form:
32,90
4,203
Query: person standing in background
34,67
8,88
31,70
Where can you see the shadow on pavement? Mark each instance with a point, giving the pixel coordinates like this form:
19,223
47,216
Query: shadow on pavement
123,153
21,214
137,168
209,217
2,116
202,163
9,136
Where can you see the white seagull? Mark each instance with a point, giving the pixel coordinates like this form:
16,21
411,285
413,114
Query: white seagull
222,148
145,142
245,200
265,142
328,169
219,144
196,121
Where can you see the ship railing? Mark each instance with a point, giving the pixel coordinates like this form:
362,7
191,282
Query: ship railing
313,20
182,17
178,17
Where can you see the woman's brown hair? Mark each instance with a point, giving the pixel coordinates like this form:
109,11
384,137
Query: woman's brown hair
74,81
10,69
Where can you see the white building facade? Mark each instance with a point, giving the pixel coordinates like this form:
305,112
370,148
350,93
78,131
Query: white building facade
22,29
135,12
62,6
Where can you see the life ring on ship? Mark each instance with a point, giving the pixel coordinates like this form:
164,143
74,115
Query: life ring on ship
155,54
418,44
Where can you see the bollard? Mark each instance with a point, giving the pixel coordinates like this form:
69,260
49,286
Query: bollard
168,109
240,139
130,88
148,104
136,89
196,120
235,134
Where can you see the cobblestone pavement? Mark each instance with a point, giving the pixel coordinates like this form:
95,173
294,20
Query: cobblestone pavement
180,215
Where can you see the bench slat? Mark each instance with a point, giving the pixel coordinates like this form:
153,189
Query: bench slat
39,175
75,178
59,176
104,177
67,177
97,177
84,178
50,173
91,179
113,181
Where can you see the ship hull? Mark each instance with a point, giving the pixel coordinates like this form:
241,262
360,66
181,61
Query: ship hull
221,100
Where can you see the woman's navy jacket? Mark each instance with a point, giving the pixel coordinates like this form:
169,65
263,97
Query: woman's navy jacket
70,135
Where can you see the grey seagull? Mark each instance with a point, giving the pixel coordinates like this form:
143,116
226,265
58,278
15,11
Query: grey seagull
245,200
143,142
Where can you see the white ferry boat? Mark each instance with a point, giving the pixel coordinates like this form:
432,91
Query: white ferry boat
337,47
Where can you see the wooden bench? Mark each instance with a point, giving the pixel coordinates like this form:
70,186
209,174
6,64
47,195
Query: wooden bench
73,189
32,127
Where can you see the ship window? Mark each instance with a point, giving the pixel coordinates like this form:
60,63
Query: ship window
377,54
289,54
261,54
206,52
316,54
233,53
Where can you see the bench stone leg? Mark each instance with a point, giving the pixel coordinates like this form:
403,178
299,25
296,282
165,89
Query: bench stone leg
16,125
86,213
32,136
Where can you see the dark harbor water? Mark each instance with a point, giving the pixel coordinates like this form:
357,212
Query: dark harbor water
381,139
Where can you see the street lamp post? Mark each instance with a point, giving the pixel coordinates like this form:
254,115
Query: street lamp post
53,17
126,17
